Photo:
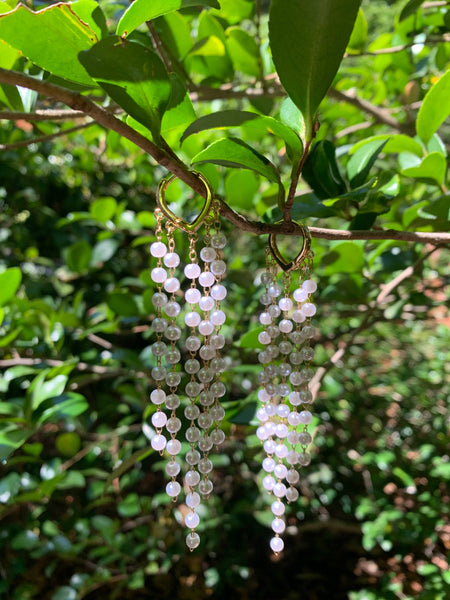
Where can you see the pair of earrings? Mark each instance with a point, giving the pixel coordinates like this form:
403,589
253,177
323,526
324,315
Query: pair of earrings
187,351
189,363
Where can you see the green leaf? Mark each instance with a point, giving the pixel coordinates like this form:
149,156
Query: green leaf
233,152
308,40
10,337
243,51
346,257
309,205
435,108
251,121
47,389
250,339
78,256
134,76
136,457
358,38
409,9
62,406
123,304
9,284
51,38
321,171
180,110
90,13
242,186
103,209
9,94
103,251
143,10
292,117
360,163
394,143
433,166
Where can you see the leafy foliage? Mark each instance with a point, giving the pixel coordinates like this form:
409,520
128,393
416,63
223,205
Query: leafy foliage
83,515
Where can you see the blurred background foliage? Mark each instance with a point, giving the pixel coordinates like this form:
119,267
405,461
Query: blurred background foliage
82,506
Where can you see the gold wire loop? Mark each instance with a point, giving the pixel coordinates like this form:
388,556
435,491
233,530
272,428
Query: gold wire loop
178,221
291,265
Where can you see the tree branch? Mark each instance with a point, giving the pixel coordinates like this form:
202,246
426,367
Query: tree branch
42,115
45,138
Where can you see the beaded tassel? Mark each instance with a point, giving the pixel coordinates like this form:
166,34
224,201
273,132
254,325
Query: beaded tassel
284,379
203,341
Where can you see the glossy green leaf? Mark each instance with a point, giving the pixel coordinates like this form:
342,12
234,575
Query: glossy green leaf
142,10
103,251
9,94
134,77
123,304
243,51
346,257
305,206
236,118
395,143
433,166
435,108
45,389
7,6
90,13
321,171
5,340
180,110
78,256
51,38
410,8
308,40
360,163
250,339
291,116
103,209
9,284
63,406
358,38
233,152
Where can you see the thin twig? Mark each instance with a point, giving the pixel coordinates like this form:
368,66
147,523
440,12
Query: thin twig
49,114
45,138
394,49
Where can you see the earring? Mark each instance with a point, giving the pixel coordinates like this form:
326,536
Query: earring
285,376
201,343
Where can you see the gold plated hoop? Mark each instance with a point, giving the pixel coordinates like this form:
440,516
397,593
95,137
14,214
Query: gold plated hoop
291,265
178,221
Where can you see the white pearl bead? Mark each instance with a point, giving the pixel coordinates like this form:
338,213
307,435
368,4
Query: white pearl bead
309,309
206,327
278,525
192,319
261,433
173,488
158,396
206,303
285,304
271,409
192,520
279,489
293,476
171,260
300,295
294,419
192,540
193,343
172,285
218,267
281,430
172,469
276,544
269,464
159,419
305,417
206,279
309,286
268,483
298,316
218,317
280,471
278,508
292,457
158,442
219,292
264,338
294,398
269,446
158,249
291,494
281,450
158,275
265,318
283,411
292,437
285,326
192,296
192,478
192,271
208,254
173,447
192,499
263,396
